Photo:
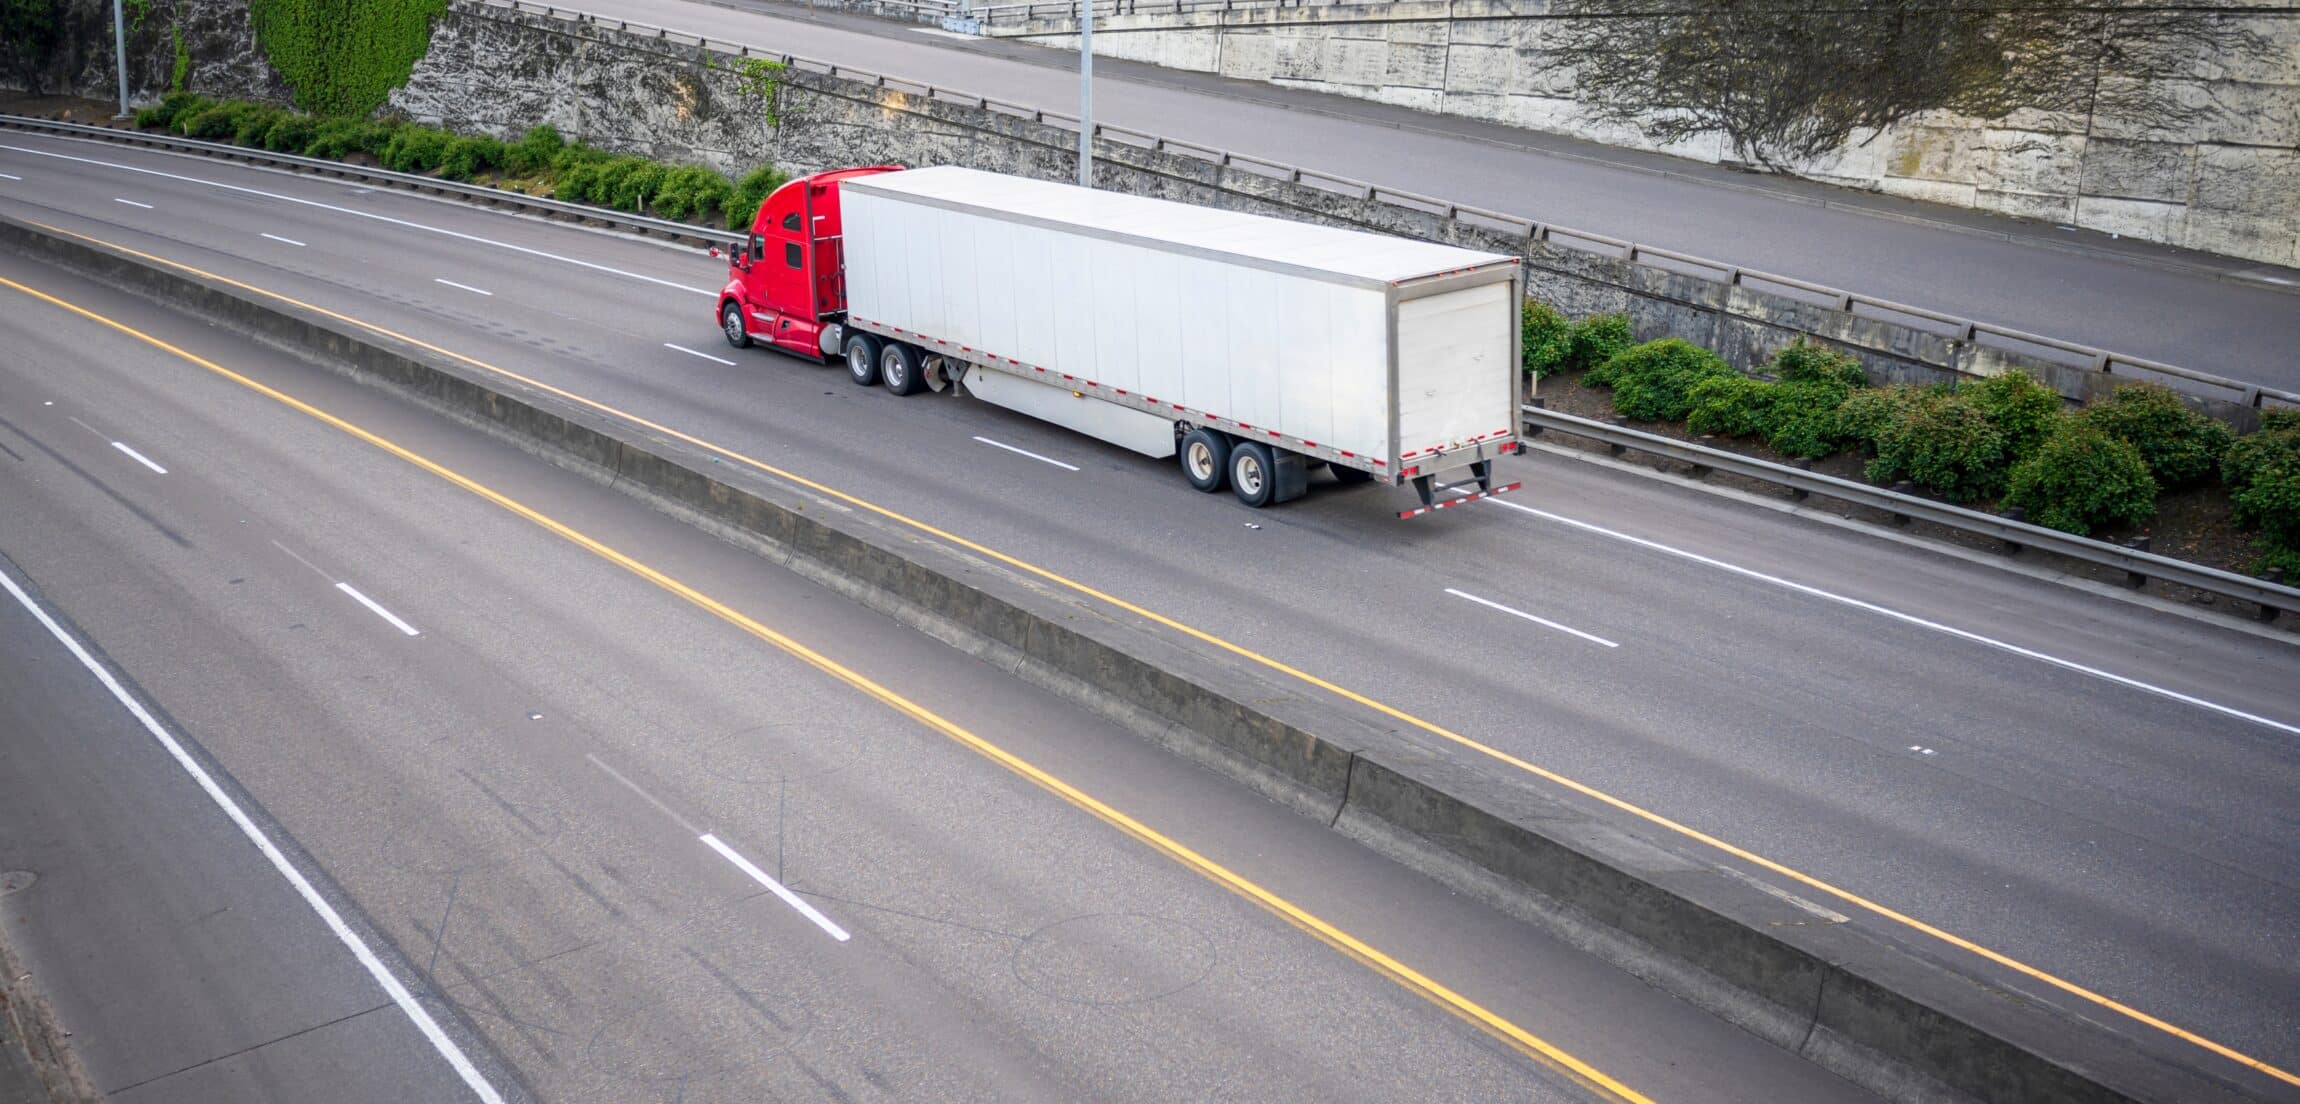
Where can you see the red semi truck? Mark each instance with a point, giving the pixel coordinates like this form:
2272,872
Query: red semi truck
1257,350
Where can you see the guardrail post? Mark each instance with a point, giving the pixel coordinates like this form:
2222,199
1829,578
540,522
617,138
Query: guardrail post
1907,488
2275,577
2135,579
1800,494
1531,429
2015,514
1617,449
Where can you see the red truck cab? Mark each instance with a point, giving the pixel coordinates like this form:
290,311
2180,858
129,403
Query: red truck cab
788,281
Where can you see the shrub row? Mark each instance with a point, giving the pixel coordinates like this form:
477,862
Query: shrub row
575,172
2006,439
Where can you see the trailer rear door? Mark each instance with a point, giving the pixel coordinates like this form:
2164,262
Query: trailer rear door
1457,376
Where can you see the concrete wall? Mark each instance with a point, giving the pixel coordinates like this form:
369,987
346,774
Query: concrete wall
497,71
2224,186
216,34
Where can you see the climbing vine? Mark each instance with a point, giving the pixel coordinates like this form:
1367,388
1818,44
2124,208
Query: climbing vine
763,78
343,57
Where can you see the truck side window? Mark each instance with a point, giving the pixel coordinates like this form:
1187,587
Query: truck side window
793,256
758,248
791,221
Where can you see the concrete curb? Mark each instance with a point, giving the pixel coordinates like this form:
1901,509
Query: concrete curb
1911,1020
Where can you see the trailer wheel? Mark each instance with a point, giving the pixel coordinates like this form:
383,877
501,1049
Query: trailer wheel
862,359
1205,459
731,324
1350,476
898,369
1252,475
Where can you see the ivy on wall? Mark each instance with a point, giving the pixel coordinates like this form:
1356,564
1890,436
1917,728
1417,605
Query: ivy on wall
343,57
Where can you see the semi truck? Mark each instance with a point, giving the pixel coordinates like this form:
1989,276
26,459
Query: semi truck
1255,350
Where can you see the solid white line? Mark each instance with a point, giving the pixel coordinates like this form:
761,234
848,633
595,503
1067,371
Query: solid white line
327,914
1027,452
457,234
140,458
290,241
7,176
1912,619
466,287
789,898
1536,620
379,611
132,203
694,353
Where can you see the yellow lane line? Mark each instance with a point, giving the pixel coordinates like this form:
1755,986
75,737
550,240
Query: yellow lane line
1518,1038
1279,666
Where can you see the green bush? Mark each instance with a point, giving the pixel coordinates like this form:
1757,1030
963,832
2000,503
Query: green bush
1729,406
1653,382
1597,339
534,151
2262,471
638,183
750,191
163,115
1801,418
467,157
217,122
2022,409
1865,414
1801,361
2181,446
2081,479
254,123
340,138
587,180
290,133
692,192
1944,442
415,149
343,57
1545,338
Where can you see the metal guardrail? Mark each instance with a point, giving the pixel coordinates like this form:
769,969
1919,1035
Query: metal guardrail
678,231
1945,325
2138,566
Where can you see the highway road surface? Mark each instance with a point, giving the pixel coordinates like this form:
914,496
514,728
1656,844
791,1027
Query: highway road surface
2092,788
567,801
2115,295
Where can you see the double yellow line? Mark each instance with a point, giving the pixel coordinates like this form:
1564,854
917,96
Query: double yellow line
1816,884
1525,1042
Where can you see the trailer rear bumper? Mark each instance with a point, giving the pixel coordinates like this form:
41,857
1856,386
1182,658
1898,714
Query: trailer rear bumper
1435,495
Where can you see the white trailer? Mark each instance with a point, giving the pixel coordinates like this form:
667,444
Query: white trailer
1255,348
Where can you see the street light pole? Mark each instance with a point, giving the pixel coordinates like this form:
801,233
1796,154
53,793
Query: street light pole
120,53
1085,93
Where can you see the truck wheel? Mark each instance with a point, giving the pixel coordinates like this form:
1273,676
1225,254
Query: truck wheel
898,369
1205,459
731,324
1251,476
862,359
1350,476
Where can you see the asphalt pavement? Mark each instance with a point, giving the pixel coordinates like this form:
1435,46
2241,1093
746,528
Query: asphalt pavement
2166,304
536,746
2087,785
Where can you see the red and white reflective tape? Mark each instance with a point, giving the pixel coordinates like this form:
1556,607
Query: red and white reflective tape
1444,503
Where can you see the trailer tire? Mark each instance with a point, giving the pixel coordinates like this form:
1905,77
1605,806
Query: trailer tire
1350,477
1253,473
731,324
862,359
1205,458
898,369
